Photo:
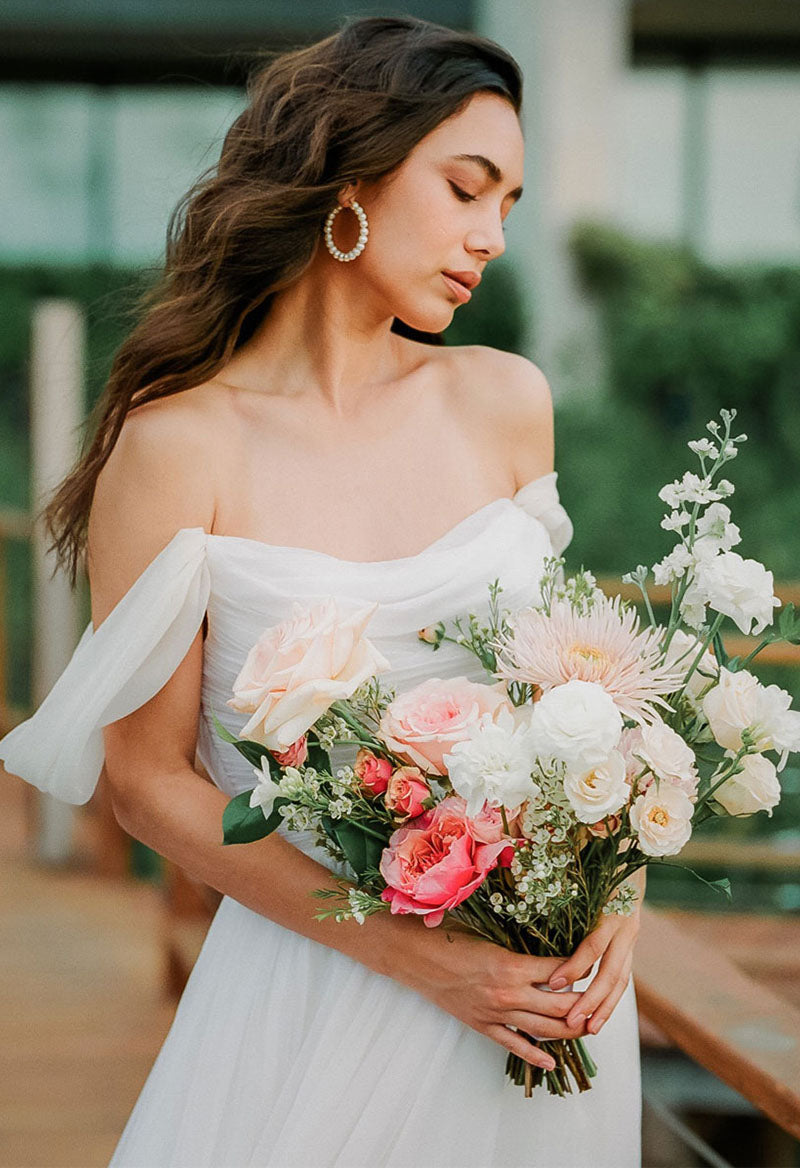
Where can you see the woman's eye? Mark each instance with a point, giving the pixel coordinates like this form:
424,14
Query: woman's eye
460,194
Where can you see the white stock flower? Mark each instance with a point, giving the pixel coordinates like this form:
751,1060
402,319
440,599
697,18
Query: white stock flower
662,819
668,756
599,792
754,788
703,447
682,651
673,566
715,531
266,792
495,763
740,702
576,723
693,606
741,589
676,520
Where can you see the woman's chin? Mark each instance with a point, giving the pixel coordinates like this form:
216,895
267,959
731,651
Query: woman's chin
435,320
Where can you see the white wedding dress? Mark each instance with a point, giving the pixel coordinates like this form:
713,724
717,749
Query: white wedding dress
284,1052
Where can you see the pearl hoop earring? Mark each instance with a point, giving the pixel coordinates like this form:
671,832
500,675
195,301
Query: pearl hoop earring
363,233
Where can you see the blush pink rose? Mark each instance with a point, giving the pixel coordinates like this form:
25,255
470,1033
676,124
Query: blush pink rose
373,773
407,793
422,725
299,668
434,863
487,827
295,756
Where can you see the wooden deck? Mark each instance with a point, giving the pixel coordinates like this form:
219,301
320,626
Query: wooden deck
84,1009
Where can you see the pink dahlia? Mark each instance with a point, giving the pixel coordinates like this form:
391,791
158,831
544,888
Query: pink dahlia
604,645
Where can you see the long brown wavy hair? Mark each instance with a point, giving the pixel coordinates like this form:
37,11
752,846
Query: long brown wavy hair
350,106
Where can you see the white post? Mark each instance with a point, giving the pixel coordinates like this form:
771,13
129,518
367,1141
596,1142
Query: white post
572,56
57,364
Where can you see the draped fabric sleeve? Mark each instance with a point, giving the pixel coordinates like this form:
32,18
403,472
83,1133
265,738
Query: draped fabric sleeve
540,499
113,670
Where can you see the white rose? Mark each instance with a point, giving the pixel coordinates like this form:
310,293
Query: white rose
682,651
754,788
741,589
740,702
668,756
299,668
662,819
599,792
576,723
495,763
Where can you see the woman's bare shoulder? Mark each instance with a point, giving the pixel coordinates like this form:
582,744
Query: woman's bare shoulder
509,396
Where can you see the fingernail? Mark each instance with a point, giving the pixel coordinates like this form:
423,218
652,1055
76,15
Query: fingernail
596,1027
558,983
550,1065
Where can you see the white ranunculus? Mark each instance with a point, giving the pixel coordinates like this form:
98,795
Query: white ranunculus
599,792
682,651
754,788
668,756
662,819
495,763
576,723
740,702
741,589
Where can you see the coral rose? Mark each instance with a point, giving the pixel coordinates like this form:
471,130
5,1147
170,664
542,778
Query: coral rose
407,793
373,773
435,862
295,756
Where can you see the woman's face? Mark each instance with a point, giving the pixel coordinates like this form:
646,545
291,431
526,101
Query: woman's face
439,212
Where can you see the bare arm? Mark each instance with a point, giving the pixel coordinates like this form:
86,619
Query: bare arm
157,481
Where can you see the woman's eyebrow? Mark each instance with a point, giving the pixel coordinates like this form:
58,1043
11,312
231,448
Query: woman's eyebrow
492,169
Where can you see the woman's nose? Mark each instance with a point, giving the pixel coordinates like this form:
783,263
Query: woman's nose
488,242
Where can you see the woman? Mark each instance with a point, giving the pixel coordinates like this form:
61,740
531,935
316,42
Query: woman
275,429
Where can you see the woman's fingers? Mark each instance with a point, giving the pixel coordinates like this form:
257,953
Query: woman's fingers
520,1046
542,1026
611,975
584,957
606,1008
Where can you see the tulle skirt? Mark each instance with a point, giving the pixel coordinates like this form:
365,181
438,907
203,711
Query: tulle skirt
288,1054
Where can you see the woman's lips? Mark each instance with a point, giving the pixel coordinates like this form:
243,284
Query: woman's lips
461,292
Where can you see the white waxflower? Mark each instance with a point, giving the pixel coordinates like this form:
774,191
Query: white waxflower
662,819
495,763
754,788
266,792
673,566
576,723
741,589
598,792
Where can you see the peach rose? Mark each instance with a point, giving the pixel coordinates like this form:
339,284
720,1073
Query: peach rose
299,668
373,773
407,793
434,863
295,756
423,724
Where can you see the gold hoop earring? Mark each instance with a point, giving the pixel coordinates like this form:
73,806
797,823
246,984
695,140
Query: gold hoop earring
363,233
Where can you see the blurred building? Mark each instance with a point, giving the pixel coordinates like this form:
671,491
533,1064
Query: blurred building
672,118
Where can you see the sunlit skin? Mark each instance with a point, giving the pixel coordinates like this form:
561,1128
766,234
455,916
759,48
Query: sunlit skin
328,334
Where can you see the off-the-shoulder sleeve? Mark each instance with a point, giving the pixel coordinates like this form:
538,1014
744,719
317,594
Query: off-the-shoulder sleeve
540,499
113,671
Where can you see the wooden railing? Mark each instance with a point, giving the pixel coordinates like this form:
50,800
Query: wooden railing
704,982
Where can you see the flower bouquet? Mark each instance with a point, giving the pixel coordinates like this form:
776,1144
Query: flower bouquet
522,806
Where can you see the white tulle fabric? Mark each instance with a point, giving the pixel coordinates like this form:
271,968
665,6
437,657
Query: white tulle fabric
284,1052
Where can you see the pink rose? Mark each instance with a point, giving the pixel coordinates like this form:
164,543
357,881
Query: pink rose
299,668
487,825
434,863
422,725
295,756
373,772
407,792
605,827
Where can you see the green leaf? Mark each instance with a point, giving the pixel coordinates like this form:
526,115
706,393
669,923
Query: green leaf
243,824
363,851
252,751
719,649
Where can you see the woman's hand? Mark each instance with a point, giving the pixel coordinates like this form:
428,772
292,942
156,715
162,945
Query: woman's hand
493,990
612,941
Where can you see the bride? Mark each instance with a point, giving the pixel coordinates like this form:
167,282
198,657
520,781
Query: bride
280,426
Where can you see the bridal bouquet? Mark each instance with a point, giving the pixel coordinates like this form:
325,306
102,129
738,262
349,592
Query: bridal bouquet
522,805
